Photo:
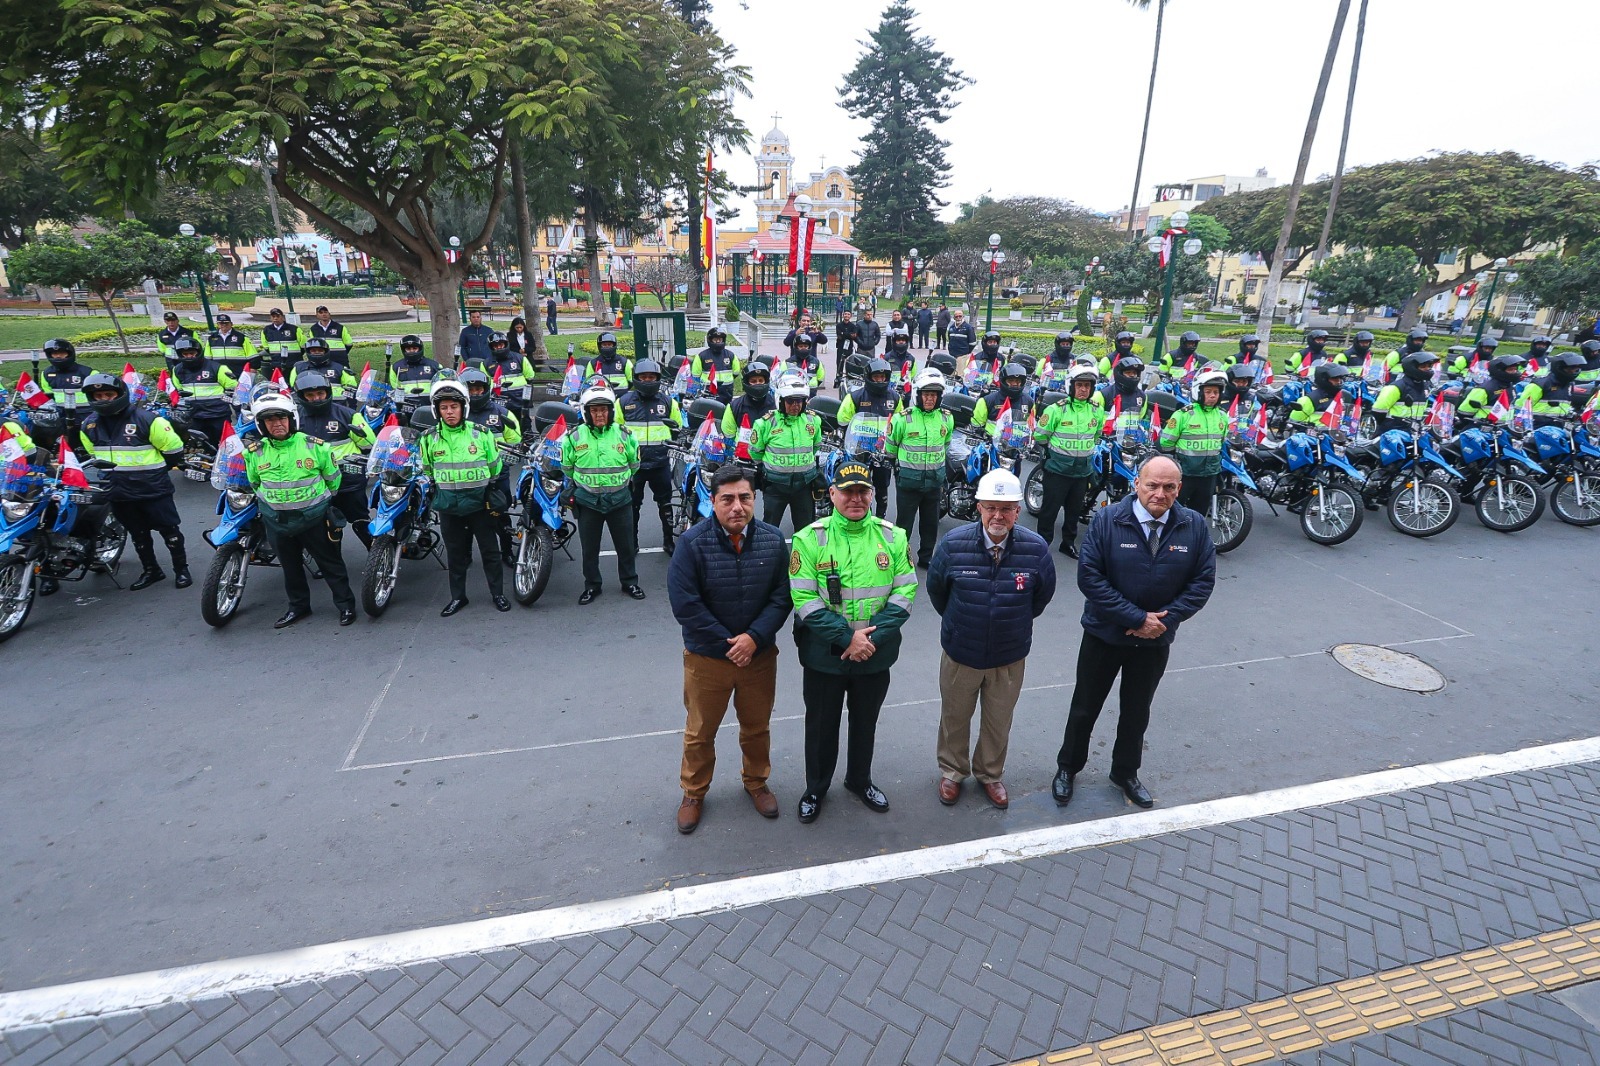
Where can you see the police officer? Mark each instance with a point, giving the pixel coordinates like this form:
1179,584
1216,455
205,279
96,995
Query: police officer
902,364
413,374
1360,348
1504,380
1194,436
1591,361
143,447
486,412
1188,348
618,370
347,435
718,367
227,343
601,458
786,443
1482,353
334,333
653,417
168,336
1061,360
805,360
1416,341
1539,349
1069,431
919,440
320,360
739,418
507,370
1241,386
844,339
853,585
205,382
464,463
1121,348
64,376
1124,393
1550,394
295,478
1407,397
1249,354
1011,388
867,411
1327,382
1315,351
280,341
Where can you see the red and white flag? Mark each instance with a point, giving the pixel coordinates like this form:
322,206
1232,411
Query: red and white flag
452,255
1333,414
1111,419
1502,406
1003,421
71,472
167,388
802,235
1355,416
741,450
1266,376
10,450
495,384
556,432
31,393
1233,410
1258,429
1155,419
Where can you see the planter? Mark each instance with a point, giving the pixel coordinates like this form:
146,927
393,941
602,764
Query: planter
1015,316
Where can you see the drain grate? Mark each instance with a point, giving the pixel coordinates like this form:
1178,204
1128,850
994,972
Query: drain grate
1396,669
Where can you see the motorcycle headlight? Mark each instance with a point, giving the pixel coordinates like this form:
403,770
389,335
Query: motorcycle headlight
394,493
552,485
17,509
239,499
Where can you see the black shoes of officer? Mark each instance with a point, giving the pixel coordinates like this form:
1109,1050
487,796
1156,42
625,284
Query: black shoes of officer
181,578
1137,794
588,597
452,607
347,617
810,807
634,590
49,586
667,545
290,617
147,577
1068,549
502,604
872,796
1061,787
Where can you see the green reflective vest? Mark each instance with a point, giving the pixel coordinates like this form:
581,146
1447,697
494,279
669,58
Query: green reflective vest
461,460
1548,399
232,345
1392,402
1195,433
920,441
876,587
296,474
1069,431
600,463
787,445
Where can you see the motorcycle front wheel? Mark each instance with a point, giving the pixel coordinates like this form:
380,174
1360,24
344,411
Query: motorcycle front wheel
1332,514
1422,508
223,589
532,571
1508,503
1231,518
1576,497
1033,491
381,576
14,603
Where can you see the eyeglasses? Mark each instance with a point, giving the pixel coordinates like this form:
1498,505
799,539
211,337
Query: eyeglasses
998,510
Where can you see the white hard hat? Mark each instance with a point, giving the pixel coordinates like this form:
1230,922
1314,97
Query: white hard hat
597,394
793,388
1087,371
930,378
1210,377
447,389
1000,486
278,403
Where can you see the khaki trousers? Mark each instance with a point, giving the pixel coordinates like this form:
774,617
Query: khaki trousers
708,684
959,690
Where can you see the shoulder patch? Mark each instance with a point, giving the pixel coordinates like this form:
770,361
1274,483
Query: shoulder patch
794,562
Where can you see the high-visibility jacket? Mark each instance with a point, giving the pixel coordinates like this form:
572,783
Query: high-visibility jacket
986,410
513,371
920,441
20,435
413,379
1550,398
1069,431
64,382
1401,401
342,430
294,479
618,371
498,419
719,368
1195,433
652,421
167,340
868,414
281,342
462,460
746,406
229,345
876,587
206,383
787,445
336,333
601,463
142,444
339,377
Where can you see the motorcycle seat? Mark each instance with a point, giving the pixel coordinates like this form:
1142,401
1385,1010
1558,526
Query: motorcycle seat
1364,448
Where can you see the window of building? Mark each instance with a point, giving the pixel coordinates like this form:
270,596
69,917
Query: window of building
1519,308
554,234
834,192
579,233
622,237
1250,287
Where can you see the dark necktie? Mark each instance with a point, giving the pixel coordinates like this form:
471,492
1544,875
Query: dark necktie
1155,537
995,553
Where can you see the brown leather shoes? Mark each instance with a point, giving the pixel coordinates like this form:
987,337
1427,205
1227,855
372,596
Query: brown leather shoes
949,791
996,791
766,803
689,814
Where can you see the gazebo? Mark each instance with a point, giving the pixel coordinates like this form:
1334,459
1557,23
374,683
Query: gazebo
763,285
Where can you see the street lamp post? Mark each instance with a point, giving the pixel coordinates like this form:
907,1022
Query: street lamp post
199,281
461,292
1483,319
283,268
1176,227
996,259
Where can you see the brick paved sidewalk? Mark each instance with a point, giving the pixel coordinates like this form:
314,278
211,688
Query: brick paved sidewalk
990,964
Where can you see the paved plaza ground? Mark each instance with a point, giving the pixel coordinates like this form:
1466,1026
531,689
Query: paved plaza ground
186,796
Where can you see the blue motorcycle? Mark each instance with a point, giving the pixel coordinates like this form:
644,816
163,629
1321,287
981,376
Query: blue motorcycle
1408,476
970,456
50,532
1114,464
403,524
1308,474
240,539
542,525
694,463
1231,515
1500,480
1567,450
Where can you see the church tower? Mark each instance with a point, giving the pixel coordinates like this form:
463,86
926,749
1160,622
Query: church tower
774,166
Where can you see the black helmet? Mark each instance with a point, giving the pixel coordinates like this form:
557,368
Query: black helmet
802,340
1243,371
1416,338
1128,370
411,348
605,339
1488,345
316,349
1418,366
478,401
991,335
1064,339
1248,344
1009,372
714,335
1189,342
1125,336
874,387
188,349
1591,353
648,389
308,380
1323,377
1565,366
114,406
59,346
758,390
499,342
1317,335
898,334
1539,345
1506,370
1363,341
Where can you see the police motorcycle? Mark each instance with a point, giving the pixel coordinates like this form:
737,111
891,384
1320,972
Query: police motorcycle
1499,478
542,525
1307,473
1567,450
403,525
1408,476
53,528
240,536
694,463
830,453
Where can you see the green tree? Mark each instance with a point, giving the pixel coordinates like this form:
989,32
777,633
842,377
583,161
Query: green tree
1362,279
904,86
1133,272
1035,226
1568,284
108,262
965,266
31,186
235,216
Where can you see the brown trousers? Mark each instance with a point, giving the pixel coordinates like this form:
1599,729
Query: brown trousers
959,689
708,684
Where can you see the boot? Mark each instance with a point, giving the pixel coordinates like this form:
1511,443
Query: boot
180,561
147,577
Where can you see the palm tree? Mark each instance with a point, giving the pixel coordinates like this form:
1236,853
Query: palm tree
1149,98
1344,137
1269,294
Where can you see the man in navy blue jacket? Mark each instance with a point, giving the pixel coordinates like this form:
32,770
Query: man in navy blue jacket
989,580
730,591
1146,565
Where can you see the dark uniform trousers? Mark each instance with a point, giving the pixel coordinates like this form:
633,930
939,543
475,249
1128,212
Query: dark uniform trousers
140,517
325,555
1062,492
659,480
919,506
880,490
620,522
797,499
825,696
351,500
211,427
458,533
1197,493
1141,667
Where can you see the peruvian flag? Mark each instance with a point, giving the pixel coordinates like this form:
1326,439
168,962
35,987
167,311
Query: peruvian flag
166,387
1533,368
277,379
1502,406
1305,363
271,254
1355,417
1266,376
741,450
1464,292
1002,423
1155,419
228,469
71,472
130,376
389,450
1366,366
680,382
555,432
246,382
1477,361
366,385
495,384
31,393
10,450
911,270
1111,419
452,255
905,378
1233,410
802,235
1258,429
1333,415
572,380
1188,369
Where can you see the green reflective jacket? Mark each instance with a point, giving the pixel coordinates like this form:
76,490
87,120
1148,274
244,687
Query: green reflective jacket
1069,431
601,463
1195,433
920,441
877,585
787,446
294,479
462,461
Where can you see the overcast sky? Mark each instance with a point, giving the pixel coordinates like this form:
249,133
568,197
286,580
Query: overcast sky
1060,86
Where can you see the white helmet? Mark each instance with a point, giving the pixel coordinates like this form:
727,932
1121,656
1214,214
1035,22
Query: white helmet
278,403
930,378
1084,359
791,387
448,389
1086,372
1000,486
1210,377
597,394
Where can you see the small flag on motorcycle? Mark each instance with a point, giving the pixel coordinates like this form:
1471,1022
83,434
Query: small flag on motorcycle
277,379
742,449
10,450
1111,419
1353,422
1258,429
1003,424
390,450
1155,419
1523,419
71,471
246,382
556,431
1502,406
1233,410
30,392
137,390
228,469
495,384
165,386
1333,414
572,380
683,380
367,385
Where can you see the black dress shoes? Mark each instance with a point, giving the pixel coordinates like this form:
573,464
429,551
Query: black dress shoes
588,597
290,617
634,590
452,607
502,604
146,578
1137,794
872,796
1069,550
181,578
1061,787
347,617
810,807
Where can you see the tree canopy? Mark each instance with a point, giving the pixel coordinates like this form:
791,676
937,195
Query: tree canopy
1365,278
1036,227
1567,283
32,190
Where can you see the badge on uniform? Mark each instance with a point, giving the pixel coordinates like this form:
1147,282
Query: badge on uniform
883,560
1022,582
472,449
794,562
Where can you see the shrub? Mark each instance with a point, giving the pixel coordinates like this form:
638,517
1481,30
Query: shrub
1016,303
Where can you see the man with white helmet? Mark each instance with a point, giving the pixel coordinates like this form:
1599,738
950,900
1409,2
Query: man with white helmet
601,458
919,440
1069,432
785,443
463,461
1194,436
989,581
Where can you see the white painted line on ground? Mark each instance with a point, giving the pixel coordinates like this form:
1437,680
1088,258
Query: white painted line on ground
377,701
135,991
642,551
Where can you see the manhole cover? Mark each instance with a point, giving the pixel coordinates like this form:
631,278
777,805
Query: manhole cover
1386,666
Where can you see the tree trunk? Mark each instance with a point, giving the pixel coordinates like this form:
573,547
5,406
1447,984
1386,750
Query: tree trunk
445,317
1412,311
1149,99
597,294
116,323
696,213
1269,292
530,265
1344,136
